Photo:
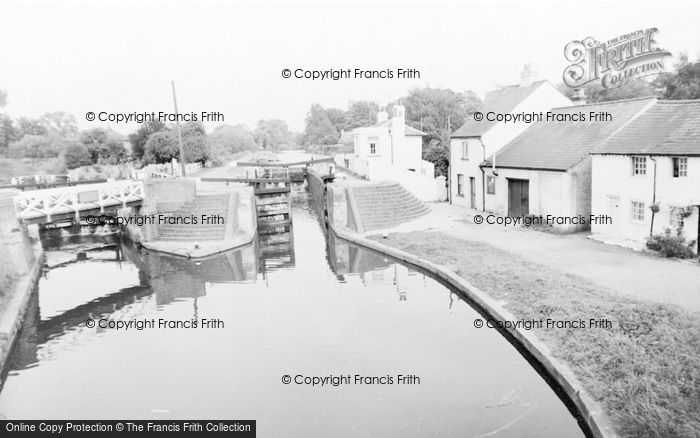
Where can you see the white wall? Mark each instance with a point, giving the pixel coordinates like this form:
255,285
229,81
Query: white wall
383,142
550,193
614,188
467,167
544,98
407,150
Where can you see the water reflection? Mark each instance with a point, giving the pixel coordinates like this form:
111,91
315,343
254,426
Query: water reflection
298,303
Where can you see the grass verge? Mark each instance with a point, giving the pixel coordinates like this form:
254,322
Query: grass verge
645,370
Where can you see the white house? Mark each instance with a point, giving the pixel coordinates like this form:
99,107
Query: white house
391,142
546,170
476,140
392,151
654,160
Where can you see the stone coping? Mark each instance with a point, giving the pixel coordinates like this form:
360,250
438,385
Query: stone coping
18,297
206,248
595,420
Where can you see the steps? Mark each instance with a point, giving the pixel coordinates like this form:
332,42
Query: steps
200,205
385,205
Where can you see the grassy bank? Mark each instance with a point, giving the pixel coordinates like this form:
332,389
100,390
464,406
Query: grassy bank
645,369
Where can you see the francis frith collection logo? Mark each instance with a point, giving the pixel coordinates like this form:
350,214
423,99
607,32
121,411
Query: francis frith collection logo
615,62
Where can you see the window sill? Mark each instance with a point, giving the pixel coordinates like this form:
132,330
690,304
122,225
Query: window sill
460,196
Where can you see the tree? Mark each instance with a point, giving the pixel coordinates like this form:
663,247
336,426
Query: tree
7,132
77,155
27,126
338,118
59,123
228,140
194,140
160,147
35,146
105,147
3,98
273,134
319,129
684,83
361,113
438,153
428,109
139,138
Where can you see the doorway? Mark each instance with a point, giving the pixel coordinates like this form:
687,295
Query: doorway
472,191
518,197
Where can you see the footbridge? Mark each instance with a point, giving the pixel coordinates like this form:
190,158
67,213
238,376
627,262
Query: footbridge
76,202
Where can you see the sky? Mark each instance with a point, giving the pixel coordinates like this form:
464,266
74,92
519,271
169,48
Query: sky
228,56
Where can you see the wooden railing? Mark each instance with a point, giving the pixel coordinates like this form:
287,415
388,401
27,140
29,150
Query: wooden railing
47,203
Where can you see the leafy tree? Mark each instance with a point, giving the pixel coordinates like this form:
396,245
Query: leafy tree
438,153
77,155
684,83
361,113
27,126
139,138
338,118
35,146
228,140
273,134
7,132
105,147
3,98
319,128
160,147
194,141
59,123
428,109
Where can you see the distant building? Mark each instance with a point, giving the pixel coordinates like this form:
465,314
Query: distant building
390,150
546,170
655,159
391,142
476,140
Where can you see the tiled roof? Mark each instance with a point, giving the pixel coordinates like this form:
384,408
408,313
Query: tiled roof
503,100
668,128
553,145
410,131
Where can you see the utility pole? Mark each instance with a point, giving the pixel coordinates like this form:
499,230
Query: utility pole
179,133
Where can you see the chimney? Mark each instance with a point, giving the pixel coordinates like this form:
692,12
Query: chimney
579,96
527,77
382,116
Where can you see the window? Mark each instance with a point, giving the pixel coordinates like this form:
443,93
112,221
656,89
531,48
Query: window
465,150
373,145
675,218
637,211
639,165
680,167
491,185
460,185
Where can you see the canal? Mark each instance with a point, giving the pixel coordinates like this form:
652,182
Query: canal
311,307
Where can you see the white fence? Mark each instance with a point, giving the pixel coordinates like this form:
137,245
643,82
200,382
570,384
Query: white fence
424,187
165,170
37,203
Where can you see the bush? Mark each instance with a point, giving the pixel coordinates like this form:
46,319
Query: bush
671,246
77,155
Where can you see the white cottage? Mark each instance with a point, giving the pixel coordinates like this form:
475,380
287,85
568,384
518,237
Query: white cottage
476,140
390,142
546,170
653,161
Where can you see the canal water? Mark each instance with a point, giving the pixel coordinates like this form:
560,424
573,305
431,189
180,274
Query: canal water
309,307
